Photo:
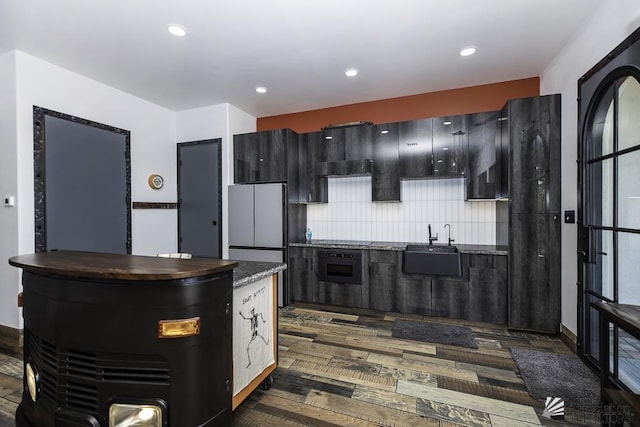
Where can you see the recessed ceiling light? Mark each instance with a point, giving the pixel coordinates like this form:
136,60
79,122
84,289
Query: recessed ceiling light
351,72
261,89
328,137
384,131
177,30
446,123
469,50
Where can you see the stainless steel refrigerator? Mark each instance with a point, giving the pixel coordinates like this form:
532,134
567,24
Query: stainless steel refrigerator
258,225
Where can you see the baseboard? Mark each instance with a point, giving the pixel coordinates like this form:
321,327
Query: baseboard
569,338
10,339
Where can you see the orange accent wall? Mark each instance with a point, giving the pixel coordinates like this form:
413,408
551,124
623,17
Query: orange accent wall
473,99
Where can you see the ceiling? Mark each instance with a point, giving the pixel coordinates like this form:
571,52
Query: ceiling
298,49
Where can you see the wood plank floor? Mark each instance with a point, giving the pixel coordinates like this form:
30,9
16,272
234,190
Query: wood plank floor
342,367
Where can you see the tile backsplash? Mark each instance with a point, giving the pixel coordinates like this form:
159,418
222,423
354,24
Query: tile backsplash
350,214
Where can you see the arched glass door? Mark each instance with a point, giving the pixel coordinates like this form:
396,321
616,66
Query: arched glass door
611,218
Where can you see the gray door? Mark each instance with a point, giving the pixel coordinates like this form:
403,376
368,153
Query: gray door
199,198
86,185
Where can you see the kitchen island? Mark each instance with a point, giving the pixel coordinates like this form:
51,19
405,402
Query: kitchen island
110,336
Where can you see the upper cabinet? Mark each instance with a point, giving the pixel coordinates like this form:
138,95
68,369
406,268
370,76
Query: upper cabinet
385,176
483,178
262,156
312,186
534,132
415,148
450,142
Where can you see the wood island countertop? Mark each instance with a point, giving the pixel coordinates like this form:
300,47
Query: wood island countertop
96,265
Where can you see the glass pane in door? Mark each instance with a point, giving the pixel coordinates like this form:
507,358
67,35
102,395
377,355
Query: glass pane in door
629,190
601,270
628,268
601,132
628,113
600,183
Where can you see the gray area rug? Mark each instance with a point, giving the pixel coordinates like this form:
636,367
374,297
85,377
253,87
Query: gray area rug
434,333
558,375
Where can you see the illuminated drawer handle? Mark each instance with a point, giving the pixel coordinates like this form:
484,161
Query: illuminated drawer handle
178,328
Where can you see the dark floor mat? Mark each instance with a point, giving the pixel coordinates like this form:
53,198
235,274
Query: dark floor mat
434,333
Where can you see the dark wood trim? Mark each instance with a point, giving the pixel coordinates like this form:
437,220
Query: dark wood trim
39,169
10,339
569,338
104,266
155,205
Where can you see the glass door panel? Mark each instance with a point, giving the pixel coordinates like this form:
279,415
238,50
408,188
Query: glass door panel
629,190
628,114
602,280
601,132
629,268
601,193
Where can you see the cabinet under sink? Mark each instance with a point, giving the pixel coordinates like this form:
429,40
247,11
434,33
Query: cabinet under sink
432,260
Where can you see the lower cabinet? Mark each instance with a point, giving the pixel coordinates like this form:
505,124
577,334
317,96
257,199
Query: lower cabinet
479,295
303,274
488,290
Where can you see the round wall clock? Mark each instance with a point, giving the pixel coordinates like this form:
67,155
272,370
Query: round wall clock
155,181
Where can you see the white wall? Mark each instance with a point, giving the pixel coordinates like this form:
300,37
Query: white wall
9,278
601,32
152,151
350,214
211,122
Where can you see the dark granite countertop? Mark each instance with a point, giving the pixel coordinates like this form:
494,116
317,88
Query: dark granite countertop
397,246
250,271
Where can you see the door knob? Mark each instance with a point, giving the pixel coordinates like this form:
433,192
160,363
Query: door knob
214,222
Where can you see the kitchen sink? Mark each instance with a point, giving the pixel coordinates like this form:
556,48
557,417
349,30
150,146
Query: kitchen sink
431,248
432,260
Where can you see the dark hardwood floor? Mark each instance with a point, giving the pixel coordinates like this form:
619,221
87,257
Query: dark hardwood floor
342,367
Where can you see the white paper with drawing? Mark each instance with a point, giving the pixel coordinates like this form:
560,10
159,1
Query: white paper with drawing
252,332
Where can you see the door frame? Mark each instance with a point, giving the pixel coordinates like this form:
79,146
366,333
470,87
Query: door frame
217,141
40,173
605,73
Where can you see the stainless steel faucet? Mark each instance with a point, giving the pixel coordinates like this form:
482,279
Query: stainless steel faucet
432,239
448,227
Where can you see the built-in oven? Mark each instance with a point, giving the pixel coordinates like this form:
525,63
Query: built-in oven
340,266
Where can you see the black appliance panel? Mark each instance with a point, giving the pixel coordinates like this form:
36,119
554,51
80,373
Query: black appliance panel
340,266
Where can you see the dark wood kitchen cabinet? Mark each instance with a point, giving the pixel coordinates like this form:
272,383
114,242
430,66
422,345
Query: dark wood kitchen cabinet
383,273
303,274
488,287
415,148
312,186
484,130
346,151
333,145
535,154
450,142
534,213
450,296
385,176
261,157
534,272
